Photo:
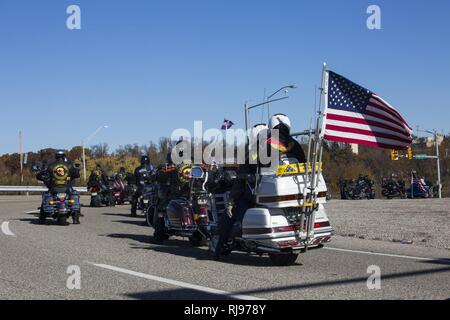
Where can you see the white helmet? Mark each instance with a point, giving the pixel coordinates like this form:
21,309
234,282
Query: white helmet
278,119
256,130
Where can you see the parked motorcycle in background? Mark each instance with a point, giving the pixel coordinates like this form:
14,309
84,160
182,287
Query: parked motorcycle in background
361,188
393,188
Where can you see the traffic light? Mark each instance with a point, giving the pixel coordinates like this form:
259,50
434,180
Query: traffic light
410,153
394,155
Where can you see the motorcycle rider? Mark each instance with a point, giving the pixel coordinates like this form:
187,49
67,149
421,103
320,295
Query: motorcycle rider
98,176
286,145
59,176
122,174
145,169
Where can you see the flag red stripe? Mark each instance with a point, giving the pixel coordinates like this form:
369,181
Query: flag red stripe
391,110
364,142
383,117
367,133
394,117
366,122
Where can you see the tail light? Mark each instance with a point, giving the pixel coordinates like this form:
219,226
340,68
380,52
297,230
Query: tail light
319,225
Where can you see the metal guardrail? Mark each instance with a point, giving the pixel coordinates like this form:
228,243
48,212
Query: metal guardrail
33,189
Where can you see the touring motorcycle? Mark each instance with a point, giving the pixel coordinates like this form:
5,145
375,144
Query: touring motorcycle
284,223
187,215
61,201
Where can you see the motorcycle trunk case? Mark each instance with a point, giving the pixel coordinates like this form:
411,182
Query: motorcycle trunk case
179,215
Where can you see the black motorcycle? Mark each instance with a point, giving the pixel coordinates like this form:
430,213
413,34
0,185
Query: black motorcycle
101,194
361,188
392,189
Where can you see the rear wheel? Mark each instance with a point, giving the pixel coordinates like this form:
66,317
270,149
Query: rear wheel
196,239
96,202
160,235
283,259
42,216
62,220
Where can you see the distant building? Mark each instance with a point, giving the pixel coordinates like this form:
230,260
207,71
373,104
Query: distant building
355,148
429,141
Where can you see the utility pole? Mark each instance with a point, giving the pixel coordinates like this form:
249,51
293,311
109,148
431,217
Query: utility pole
438,164
21,156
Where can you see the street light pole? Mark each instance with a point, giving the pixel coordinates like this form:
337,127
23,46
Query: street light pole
83,143
438,164
292,86
438,160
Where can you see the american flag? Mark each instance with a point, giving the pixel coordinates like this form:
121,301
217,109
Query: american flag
417,183
227,124
358,116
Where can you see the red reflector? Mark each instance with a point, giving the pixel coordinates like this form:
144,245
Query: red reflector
62,199
324,224
291,243
287,228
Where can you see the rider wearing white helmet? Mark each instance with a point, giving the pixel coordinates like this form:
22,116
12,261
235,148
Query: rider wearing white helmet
285,143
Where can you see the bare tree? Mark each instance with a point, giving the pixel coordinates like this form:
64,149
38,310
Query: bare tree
100,151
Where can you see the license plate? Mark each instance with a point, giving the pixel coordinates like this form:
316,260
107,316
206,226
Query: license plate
146,201
94,194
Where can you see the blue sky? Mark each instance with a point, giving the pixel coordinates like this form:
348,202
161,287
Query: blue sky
148,67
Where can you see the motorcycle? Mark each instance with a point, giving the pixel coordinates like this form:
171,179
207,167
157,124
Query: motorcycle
420,190
362,188
119,190
59,203
392,188
279,224
101,194
187,216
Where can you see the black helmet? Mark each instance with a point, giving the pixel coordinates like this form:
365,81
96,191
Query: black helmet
60,155
145,160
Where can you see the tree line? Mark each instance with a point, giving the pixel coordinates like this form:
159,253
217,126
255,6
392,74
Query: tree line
338,162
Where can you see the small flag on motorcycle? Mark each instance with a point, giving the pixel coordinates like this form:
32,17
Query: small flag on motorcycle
227,124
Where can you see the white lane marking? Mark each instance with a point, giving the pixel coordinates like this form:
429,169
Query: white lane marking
380,254
176,283
32,212
5,229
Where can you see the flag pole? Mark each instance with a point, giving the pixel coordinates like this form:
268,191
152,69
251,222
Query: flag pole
317,151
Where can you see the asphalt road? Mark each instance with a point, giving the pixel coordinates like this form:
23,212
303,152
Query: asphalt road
117,261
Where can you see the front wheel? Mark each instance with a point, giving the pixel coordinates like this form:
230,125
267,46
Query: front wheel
283,259
149,216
